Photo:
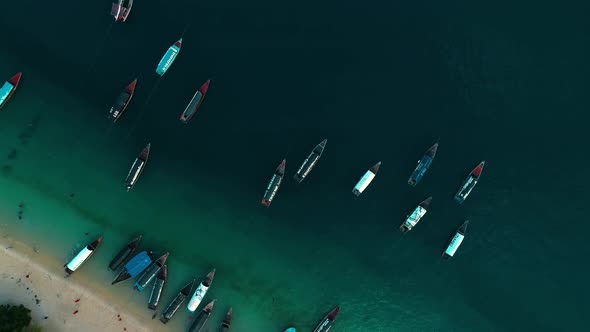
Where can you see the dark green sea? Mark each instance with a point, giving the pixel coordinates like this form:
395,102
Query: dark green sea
505,82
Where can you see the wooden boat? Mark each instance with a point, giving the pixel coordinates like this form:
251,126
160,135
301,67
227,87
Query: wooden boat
195,103
122,101
456,241
120,10
150,273
82,256
366,180
124,254
177,302
226,323
326,323
202,318
8,88
310,161
413,218
469,183
169,58
423,165
274,184
137,167
135,266
158,287
200,292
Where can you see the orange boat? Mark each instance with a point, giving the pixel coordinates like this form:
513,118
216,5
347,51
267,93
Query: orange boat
7,90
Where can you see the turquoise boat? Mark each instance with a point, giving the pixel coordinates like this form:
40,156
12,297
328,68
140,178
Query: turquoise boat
169,58
291,329
8,88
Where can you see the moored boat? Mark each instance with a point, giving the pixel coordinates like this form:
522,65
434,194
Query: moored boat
8,88
310,161
137,167
82,256
120,10
177,302
226,322
326,323
365,181
202,318
169,58
195,102
291,329
274,184
134,267
413,218
122,101
456,241
469,183
150,273
423,165
124,254
157,289
200,292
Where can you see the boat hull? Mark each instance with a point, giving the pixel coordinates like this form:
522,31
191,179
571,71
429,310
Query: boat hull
274,184
469,183
168,58
120,258
134,267
157,289
176,303
82,256
8,89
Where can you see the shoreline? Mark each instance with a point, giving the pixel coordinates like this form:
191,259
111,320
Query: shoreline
73,304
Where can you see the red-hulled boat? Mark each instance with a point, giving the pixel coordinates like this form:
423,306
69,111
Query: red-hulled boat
122,101
195,103
326,323
469,183
8,88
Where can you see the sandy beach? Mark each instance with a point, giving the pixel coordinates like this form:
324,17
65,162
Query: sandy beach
58,304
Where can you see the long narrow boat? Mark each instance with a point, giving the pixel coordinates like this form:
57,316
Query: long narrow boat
202,318
150,273
124,254
122,101
8,88
366,180
137,167
200,292
177,302
413,218
456,241
274,184
121,9
423,165
226,322
326,323
169,58
195,103
310,161
82,256
135,266
158,287
469,183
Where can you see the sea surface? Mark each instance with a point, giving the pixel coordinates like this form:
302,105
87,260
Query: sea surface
505,82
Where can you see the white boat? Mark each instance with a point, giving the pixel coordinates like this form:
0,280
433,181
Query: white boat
200,292
456,241
366,180
413,218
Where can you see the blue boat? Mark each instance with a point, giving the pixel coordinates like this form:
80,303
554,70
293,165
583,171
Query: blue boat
135,266
169,58
150,273
423,165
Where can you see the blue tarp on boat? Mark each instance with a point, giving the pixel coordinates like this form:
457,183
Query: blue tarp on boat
138,263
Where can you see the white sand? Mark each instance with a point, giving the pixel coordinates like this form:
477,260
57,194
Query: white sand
27,276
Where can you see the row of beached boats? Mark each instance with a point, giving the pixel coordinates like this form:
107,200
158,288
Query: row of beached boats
145,268
412,218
